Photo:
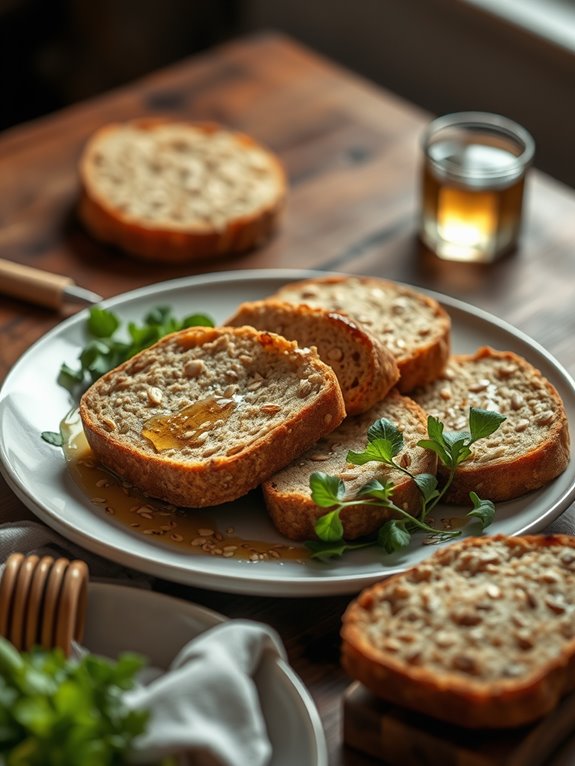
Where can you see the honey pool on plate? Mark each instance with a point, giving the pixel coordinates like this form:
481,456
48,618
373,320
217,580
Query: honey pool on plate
189,530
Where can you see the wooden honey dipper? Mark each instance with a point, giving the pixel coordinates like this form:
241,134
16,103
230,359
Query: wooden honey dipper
43,601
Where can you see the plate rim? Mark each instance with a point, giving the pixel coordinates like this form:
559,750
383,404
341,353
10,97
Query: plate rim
236,581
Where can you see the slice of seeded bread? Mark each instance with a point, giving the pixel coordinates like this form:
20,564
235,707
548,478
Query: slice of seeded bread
481,634
413,326
206,414
287,494
177,191
528,450
365,369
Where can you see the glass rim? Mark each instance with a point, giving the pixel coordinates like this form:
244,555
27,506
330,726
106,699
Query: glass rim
488,121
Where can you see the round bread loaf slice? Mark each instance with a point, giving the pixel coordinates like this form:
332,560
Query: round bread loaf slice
480,635
176,191
413,326
530,448
206,414
287,494
365,369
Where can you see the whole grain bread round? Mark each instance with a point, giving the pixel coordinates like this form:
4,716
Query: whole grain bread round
206,414
413,326
532,445
176,191
481,634
287,494
365,369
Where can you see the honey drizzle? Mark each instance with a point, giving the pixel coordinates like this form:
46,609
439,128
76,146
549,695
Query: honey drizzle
186,427
176,527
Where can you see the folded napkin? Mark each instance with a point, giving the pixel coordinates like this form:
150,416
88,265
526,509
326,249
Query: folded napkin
206,705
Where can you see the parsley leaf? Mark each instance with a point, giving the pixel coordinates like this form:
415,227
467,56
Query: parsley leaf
326,490
393,536
484,510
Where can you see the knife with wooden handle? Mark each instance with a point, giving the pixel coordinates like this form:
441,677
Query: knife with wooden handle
42,288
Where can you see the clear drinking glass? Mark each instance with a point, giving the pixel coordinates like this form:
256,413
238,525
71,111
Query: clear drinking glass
472,185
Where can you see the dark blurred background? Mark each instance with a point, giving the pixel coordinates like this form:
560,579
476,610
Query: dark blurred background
516,57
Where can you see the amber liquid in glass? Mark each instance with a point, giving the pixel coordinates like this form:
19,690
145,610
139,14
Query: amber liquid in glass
477,219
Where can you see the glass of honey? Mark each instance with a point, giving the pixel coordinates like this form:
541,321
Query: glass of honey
472,185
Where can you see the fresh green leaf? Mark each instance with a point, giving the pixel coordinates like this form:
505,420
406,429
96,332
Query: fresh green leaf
378,450
377,490
54,438
435,429
483,423
457,445
437,447
197,320
69,378
427,485
329,527
393,536
102,323
386,430
484,510
326,490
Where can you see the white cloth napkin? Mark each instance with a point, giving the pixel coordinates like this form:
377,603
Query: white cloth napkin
207,705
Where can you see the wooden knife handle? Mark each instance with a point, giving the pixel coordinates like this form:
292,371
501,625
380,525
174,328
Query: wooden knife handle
39,287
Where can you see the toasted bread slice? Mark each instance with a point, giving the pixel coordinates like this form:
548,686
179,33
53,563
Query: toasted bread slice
177,191
365,369
480,635
206,414
287,494
413,326
529,449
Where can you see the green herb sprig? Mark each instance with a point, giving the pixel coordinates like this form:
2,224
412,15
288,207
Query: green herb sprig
384,442
60,712
105,350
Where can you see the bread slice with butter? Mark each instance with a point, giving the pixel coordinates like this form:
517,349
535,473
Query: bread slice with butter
207,414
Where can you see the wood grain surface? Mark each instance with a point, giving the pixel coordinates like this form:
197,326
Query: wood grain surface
352,155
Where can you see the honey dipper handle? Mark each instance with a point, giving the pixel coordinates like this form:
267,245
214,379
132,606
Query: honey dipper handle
39,287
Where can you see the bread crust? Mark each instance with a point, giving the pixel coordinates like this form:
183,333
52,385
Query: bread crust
196,481
545,454
341,342
456,697
168,242
288,499
420,362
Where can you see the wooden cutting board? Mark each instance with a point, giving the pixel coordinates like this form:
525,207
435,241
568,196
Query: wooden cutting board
402,738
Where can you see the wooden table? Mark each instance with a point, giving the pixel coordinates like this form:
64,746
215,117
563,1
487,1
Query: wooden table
352,152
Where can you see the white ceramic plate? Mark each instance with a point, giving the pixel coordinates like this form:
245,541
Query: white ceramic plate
32,402
123,619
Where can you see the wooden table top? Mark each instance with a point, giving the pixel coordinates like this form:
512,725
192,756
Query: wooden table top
352,152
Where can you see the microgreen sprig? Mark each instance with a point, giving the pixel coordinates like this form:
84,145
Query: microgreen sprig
384,442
